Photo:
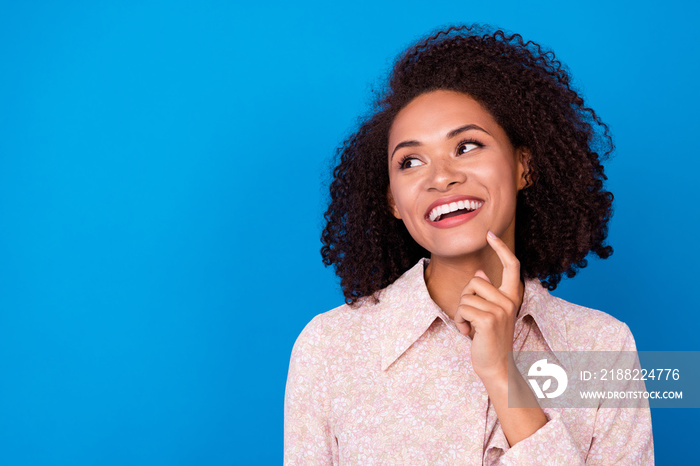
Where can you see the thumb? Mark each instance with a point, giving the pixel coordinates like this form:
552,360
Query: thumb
481,274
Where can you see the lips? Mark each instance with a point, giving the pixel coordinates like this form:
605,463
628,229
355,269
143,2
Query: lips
451,207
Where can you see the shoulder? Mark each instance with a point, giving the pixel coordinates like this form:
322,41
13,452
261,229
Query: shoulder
583,328
333,330
593,330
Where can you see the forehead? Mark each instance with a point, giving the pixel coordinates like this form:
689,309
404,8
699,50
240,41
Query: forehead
434,114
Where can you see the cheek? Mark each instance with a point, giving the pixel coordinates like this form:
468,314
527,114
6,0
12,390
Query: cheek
396,199
401,194
405,197
499,176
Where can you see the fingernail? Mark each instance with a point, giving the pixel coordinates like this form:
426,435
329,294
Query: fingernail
491,234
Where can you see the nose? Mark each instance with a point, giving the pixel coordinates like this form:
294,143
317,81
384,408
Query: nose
445,175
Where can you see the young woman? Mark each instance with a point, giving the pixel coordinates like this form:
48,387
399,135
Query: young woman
472,188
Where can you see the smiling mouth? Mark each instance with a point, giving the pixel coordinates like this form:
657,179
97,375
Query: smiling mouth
453,209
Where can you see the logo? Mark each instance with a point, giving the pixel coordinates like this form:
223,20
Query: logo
544,369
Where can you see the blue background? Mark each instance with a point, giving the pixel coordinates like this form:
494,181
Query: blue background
162,173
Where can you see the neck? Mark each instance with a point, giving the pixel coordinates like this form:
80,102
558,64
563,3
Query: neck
446,277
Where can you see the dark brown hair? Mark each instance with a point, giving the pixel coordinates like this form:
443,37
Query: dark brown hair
561,216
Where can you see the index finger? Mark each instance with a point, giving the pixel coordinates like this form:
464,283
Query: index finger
510,283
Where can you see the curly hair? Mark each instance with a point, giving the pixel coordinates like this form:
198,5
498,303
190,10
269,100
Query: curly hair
562,214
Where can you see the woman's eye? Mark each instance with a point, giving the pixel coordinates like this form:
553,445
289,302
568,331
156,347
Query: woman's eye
410,162
465,147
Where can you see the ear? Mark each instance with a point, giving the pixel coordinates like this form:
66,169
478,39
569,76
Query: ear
391,204
524,157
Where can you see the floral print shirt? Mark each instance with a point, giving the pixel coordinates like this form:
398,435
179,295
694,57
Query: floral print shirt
392,383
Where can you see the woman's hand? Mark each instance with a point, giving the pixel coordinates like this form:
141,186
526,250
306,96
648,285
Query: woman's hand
487,314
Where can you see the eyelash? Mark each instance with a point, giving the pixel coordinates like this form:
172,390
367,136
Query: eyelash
406,158
403,160
470,141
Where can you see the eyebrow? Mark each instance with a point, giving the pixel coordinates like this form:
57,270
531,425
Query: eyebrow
450,135
464,128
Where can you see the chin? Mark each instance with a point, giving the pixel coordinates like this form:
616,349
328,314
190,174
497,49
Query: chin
458,249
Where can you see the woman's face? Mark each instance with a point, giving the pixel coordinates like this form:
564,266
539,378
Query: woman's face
453,174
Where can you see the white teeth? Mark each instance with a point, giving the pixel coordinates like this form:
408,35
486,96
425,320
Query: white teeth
452,207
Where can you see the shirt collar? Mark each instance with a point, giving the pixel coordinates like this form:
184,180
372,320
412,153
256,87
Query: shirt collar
547,312
408,310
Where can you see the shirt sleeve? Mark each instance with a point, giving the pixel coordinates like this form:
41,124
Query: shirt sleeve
551,444
308,438
620,436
